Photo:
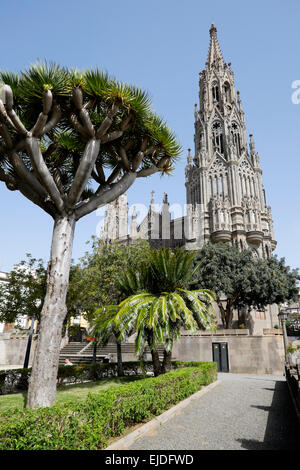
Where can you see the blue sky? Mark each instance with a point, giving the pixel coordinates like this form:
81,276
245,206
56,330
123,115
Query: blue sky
161,46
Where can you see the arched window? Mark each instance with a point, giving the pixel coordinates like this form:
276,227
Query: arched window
215,92
221,184
227,92
244,185
211,186
236,139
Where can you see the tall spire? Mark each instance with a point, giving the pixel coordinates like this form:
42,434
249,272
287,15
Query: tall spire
214,53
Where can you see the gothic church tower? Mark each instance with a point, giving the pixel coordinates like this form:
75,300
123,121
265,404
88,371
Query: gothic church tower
224,178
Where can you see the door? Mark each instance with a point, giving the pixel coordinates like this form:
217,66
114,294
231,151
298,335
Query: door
220,356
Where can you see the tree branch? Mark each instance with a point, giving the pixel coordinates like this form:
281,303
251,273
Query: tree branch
112,136
25,175
107,122
39,165
83,172
147,172
55,117
107,196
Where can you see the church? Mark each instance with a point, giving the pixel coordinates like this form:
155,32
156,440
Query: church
225,196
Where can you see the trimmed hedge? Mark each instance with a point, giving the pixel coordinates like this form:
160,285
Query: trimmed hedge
16,380
88,425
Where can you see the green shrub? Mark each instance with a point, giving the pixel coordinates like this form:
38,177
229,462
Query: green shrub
15,380
89,424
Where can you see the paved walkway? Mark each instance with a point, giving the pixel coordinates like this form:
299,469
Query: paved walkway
251,412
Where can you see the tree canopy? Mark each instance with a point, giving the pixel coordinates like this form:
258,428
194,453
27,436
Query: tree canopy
23,293
73,140
241,280
95,282
160,303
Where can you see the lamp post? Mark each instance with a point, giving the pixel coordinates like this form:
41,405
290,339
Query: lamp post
27,355
283,317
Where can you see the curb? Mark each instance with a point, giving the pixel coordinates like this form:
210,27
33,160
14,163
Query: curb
125,442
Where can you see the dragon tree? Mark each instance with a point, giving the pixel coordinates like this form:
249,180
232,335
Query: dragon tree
71,142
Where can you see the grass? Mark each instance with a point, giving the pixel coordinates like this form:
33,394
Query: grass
66,393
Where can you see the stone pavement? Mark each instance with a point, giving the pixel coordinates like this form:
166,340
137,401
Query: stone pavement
253,412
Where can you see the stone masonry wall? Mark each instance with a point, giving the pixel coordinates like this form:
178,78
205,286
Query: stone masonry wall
247,354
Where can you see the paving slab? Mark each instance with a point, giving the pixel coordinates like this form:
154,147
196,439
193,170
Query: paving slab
250,412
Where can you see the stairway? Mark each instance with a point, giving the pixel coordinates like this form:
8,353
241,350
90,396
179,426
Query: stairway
82,353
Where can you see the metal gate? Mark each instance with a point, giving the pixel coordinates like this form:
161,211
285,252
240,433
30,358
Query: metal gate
220,356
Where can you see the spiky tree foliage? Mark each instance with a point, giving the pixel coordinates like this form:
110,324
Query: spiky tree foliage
164,305
70,142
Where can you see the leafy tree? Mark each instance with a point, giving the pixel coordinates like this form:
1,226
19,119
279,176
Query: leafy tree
95,282
242,279
163,305
71,142
23,293
272,282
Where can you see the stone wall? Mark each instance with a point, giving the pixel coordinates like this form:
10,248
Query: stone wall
13,350
247,354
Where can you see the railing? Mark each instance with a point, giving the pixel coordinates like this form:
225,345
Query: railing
220,332
292,373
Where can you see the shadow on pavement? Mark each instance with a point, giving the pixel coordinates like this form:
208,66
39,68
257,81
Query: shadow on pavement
282,430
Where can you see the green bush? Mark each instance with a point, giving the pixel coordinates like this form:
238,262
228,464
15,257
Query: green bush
89,424
15,380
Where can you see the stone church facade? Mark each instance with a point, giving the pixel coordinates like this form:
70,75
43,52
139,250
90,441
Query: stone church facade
225,196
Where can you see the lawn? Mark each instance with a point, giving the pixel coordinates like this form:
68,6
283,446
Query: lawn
67,393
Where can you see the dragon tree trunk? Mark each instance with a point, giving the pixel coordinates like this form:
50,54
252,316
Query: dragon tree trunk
42,386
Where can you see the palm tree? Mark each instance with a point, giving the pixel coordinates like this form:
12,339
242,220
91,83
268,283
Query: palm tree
161,304
103,326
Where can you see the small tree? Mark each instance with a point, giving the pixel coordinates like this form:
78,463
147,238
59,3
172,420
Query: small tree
103,326
23,293
241,280
71,142
161,304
